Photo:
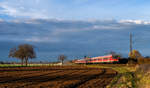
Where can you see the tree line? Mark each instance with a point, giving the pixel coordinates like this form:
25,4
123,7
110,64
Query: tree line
24,52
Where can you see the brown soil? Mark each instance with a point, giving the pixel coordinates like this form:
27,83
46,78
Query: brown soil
55,77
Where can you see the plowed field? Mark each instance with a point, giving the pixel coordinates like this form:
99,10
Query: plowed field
55,77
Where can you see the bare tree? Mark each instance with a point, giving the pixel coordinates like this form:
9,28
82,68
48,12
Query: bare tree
23,52
16,54
115,55
62,58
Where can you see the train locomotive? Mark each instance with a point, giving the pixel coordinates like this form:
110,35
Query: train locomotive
100,59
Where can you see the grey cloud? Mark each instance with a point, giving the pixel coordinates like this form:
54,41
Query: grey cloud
75,38
40,30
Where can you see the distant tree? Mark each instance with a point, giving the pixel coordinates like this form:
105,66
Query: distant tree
135,54
115,55
134,57
147,57
112,52
62,58
23,52
1,62
85,57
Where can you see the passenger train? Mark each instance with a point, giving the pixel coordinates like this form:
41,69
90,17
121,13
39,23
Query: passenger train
99,59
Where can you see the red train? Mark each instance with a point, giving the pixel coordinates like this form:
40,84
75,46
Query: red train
100,59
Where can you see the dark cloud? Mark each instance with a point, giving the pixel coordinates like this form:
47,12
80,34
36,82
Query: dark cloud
74,38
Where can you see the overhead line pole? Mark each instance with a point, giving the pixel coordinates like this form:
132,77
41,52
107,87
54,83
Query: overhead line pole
131,43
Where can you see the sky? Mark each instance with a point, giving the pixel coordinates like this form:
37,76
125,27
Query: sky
74,27
75,9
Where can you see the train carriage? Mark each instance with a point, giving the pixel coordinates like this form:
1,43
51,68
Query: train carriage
99,59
